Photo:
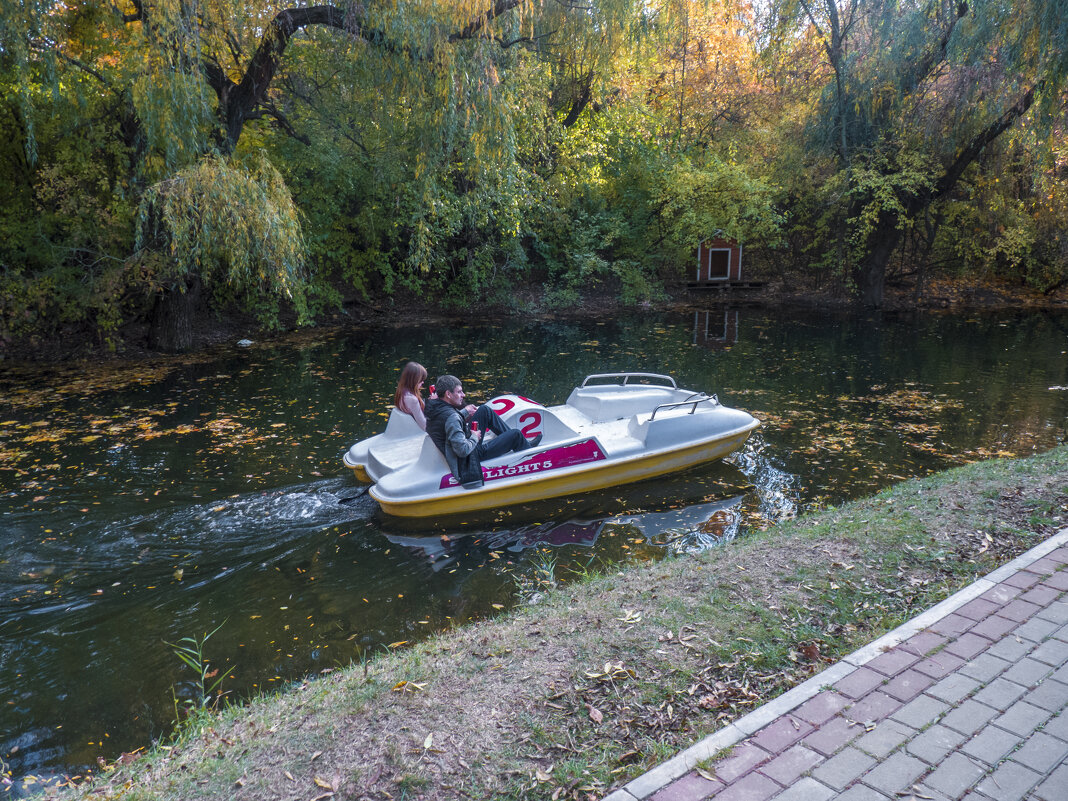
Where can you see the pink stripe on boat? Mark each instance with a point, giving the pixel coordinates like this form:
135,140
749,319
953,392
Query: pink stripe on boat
552,459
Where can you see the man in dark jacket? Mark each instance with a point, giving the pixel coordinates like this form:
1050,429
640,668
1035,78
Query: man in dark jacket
448,424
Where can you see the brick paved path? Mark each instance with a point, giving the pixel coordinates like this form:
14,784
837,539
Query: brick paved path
968,701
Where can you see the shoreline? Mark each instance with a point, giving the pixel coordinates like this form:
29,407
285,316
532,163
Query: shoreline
220,330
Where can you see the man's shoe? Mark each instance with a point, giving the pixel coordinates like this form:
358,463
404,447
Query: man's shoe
533,443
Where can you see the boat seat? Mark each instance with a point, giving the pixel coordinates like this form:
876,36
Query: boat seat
393,454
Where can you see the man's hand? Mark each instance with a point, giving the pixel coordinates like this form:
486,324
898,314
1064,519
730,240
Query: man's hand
469,410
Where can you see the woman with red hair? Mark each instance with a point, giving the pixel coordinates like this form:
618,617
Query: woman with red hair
409,395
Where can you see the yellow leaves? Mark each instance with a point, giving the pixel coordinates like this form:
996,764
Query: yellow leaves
319,782
405,686
629,617
611,672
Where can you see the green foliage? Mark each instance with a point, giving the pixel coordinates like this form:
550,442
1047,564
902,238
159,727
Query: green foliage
190,650
235,226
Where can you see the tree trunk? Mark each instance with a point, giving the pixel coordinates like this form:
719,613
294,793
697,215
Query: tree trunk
173,316
871,272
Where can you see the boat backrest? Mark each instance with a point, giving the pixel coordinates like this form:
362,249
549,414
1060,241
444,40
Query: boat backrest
606,402
401,425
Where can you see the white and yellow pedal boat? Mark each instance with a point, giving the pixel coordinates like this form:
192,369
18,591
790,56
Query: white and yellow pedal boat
614,429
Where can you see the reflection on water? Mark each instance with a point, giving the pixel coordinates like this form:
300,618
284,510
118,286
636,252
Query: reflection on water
147,505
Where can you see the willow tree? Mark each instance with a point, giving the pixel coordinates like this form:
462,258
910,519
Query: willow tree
194,76
916,92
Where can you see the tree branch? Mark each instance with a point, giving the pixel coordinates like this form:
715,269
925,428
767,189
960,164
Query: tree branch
973,149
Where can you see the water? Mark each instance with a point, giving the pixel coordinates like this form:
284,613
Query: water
148,504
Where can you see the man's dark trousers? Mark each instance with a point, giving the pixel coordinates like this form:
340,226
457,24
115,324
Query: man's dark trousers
506,441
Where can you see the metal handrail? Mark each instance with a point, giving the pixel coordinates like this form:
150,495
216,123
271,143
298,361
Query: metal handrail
693,400
628,376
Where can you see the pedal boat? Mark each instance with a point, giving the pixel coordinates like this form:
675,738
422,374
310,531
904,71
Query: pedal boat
614,429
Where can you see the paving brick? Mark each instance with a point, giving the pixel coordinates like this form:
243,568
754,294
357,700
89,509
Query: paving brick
954,688
1001,593
873,706
1053,788
1000,694
1036,629
1042,594
1050,694
953,625
821,708
788,766
1010,782
842,769
1044,566
861,792
991,744
1041,753
994,627
743,758
1011,648
690,787
1060,674
1058,726
1061,633
832,735
807,789
1052,652
985,667
1027,672
923,643
780,735
885,737
968,645
1022,718
892,662
1019,610
955,775
860,682
938,665
895,773
969,717
1023,580
908,685
1056,612
1058,580
1060,555
979,609
754,787
921,711
935,743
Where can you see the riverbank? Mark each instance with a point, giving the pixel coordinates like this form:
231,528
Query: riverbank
214,329
611,674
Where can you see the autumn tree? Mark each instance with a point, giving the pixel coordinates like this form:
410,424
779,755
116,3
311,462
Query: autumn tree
916,93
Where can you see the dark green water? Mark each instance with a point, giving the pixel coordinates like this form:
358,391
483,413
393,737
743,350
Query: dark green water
146,505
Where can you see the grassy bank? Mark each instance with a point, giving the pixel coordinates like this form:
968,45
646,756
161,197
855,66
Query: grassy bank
611,675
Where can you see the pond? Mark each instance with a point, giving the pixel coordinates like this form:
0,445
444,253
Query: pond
149,503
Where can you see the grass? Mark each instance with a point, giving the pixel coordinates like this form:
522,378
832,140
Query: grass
613,673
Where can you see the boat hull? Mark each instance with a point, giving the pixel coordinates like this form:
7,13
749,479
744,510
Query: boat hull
526,489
